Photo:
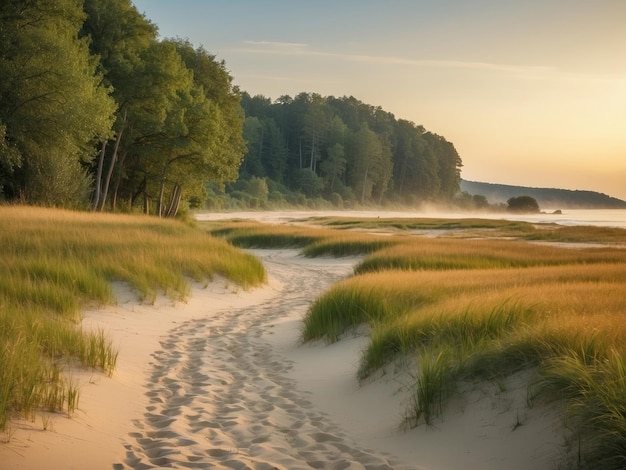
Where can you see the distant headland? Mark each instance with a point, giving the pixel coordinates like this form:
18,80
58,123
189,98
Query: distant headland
546,197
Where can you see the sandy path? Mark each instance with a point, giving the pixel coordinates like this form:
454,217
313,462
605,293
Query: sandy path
221,381
221,397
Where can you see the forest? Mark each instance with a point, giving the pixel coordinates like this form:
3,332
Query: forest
343,150
97,112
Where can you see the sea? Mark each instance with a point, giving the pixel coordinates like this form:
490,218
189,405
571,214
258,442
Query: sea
595,217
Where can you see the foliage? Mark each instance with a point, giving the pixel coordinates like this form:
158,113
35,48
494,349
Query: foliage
325,145
53,105
524,204
92,103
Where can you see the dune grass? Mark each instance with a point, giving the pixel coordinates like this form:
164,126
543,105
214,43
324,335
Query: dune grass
472,309
485,309
424,224
491,323
452,253
313,241
579,233
53,263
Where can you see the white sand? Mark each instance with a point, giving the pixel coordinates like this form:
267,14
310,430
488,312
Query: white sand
222,382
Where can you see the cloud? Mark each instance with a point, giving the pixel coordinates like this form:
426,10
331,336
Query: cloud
276,45
529,72
284,78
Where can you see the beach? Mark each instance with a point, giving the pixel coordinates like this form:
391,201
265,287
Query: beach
223,381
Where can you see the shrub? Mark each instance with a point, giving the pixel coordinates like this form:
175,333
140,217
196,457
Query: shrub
523,204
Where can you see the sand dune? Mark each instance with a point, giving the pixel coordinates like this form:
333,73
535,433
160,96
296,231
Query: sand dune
222,382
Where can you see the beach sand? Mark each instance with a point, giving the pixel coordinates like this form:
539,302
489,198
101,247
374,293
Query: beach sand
222,381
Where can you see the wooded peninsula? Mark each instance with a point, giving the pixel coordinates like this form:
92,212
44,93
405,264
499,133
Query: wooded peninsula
97,111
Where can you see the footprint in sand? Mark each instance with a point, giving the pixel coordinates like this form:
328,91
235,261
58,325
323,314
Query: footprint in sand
219,397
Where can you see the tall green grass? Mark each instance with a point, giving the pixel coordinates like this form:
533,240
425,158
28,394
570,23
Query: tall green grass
53,263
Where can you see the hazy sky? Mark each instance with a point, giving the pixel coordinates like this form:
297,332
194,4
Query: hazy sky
531,92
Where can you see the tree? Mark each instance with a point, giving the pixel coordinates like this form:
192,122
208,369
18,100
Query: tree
53,105
179,123
523,204
119,35
316,122
254,136
257,187
308,183
367,152
215,81
355,147
334,166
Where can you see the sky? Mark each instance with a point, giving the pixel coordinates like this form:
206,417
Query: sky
531,92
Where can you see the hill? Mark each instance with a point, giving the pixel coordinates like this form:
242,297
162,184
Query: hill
548,198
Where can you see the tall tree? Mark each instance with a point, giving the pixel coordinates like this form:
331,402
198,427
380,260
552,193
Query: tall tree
367,151
333,166
53,105
254,135
179,122
119,35
215,81
361,151
316,122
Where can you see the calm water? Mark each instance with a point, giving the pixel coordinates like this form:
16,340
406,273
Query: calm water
599,217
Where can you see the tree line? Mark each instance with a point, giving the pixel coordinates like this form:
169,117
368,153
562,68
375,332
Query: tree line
343,149
96,111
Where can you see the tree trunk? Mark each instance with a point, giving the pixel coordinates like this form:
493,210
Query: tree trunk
312,154
96,197
146,203
364,185
160,200
118,180
111,166
140,190
174,202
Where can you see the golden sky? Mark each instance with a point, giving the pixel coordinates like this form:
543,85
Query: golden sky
530,92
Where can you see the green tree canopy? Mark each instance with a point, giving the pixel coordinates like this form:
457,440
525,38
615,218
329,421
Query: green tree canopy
523,204
360,151
53,105
179,122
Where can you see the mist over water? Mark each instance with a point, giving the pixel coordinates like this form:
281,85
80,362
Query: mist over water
596,217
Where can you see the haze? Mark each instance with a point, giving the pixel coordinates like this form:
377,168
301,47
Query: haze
531,93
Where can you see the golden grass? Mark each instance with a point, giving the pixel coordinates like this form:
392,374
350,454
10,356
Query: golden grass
54,262
314,241
475,309
424,223
451,253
